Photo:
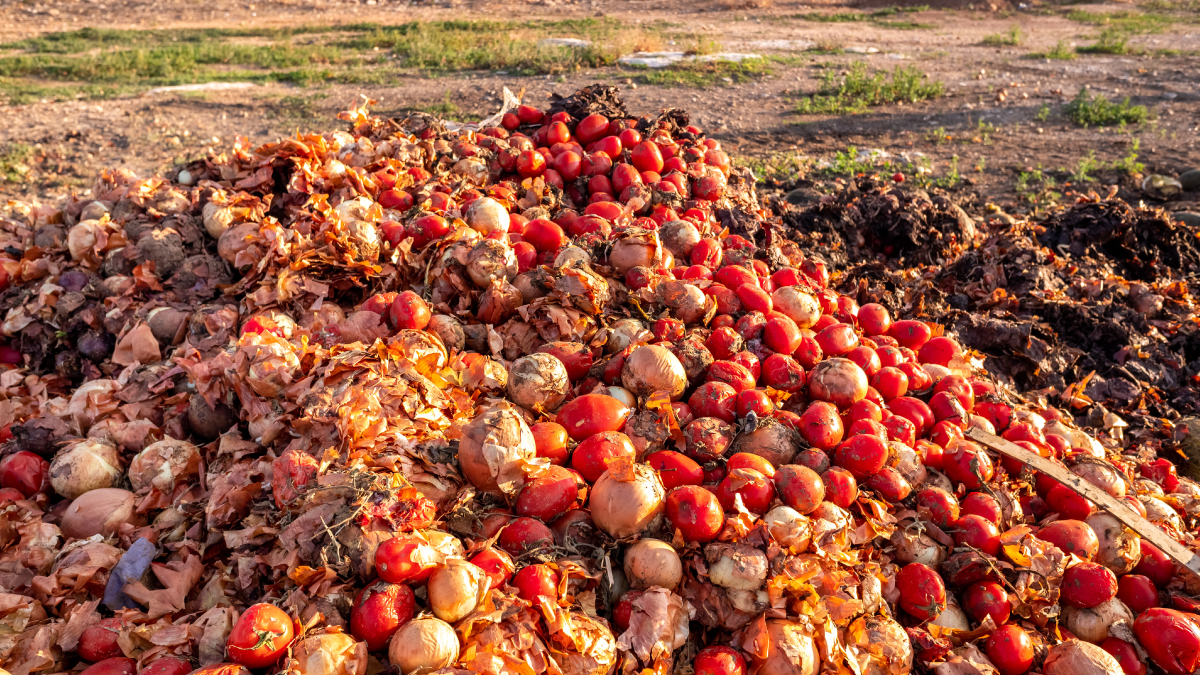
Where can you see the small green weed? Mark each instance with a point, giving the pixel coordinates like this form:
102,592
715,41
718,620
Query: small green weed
1010,38
857,90
1129,164
983,132
781,166
1060,52
1039,189
1088,111
1083,170
952,177
938,136
1127,21
14,158
1110,41
1043,113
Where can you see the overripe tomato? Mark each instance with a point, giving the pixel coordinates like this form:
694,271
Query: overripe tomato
260,636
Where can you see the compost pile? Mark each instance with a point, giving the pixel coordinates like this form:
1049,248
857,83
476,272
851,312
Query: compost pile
563,396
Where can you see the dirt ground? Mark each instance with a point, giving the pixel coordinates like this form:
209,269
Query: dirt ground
999,117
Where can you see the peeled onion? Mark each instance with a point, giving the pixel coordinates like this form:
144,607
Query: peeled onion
164,464
493,450
1075,657
100,511
1091,624
650,563
329,654
736,566
455,589
792,650
1120,547
538,382
423,646
83,466
486,215
629,502
651,368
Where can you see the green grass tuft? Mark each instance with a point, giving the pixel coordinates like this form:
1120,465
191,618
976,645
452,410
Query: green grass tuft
1010,38
14,161
1110,41
857,90
1086,110
706,73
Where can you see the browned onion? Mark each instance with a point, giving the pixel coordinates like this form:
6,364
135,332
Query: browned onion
100,511
1075,657
791,651
538,382
638,248
493,450
629,502
165,464
423,645
329,654
455,589
85,465
651,562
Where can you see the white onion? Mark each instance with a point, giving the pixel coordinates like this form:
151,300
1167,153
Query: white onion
217,219
792,650
629,503
621,394
486,215
494,448
423,645
952,616
1091,624
638,248
650,563
624,333
1075,657
329,654
1158,511
83,466
165,464
679,237
788,527
736,566
651,368
1120,547
455,589
538,382
797,304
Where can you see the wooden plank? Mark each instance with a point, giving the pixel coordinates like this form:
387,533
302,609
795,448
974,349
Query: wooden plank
1147,530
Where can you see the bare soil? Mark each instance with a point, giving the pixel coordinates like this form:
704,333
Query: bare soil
992,117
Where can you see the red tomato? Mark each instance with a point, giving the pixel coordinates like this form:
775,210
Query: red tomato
261,635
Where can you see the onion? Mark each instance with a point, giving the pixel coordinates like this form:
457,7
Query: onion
1091,624
83,466
499,302
736,566
1101,474
650,563
638,248
685,301
494,448
165,464
490,260
791,650
1120,547
914,546
772,440
329,654
449,330
624,333
587,646
838,381
952,616
622,394
93,401
100,511
423,646
1158,511
486,215
237,239
789,528
679,237
538,382
629,501
82,239
572,254
651,368
455,589
797,304
882,646
168,324
1075,657
217,218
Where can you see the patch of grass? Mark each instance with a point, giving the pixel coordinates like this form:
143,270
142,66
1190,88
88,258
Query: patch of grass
1043,113
1088,111
297,108
938,136
856,90
1060,52
780,166
1110,41
14,158
88,39
705,73
880,17
1087,164
983,133
1127,21
1009,38
1038,188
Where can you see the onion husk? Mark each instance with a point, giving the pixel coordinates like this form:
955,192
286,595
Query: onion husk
165,464
494,448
